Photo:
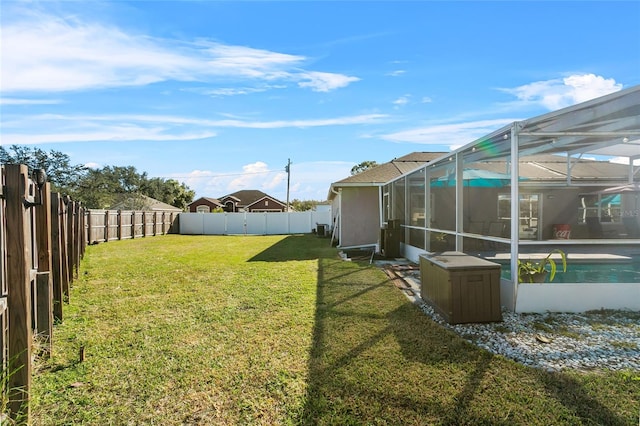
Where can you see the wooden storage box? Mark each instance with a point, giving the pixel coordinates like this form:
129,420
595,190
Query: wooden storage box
460,287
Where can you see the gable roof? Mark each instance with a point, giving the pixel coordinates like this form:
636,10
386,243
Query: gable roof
266,197
383,173
141,202
213,201
247,197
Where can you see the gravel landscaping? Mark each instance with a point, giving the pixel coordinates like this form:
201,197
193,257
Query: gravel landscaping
551,341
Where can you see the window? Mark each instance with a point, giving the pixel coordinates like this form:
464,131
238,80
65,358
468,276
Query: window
607,208
203,209
529,213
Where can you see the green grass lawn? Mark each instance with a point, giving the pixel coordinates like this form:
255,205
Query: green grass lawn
278,330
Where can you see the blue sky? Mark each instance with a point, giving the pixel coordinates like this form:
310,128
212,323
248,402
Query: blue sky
220,95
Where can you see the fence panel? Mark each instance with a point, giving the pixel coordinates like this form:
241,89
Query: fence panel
212,223
126,224
19,287
138,225
235,223
277,223
255,224
4,354
251,223
301,223
43,236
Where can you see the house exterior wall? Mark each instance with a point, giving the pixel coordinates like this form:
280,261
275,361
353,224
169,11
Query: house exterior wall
193,207
266,205
359,216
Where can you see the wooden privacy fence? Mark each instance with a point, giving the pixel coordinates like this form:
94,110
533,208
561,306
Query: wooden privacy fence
108,225
43,237
41,243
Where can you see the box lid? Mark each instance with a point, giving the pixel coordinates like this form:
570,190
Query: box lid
458,260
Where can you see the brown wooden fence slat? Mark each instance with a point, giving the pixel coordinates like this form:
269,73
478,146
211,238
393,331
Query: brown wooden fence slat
56,255
44,287
64,252
19,291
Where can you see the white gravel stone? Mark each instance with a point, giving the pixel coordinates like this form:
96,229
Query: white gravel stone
607,340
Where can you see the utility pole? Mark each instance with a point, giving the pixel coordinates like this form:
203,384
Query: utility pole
288,170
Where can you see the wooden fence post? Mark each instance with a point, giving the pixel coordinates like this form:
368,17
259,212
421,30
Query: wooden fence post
119,222
144,223
77,237
69,241
56,254
64,254
44,294
155,223
19,290
89,227
106,226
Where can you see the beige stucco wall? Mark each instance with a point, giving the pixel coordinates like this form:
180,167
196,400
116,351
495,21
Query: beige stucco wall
360,217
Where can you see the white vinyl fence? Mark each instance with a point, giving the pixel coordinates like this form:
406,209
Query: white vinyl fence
253,223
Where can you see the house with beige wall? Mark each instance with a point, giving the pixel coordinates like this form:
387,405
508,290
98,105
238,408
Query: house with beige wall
356,201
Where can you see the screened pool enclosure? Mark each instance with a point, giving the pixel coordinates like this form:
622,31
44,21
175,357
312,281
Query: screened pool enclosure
563,180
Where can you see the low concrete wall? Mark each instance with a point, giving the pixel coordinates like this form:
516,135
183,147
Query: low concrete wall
577,297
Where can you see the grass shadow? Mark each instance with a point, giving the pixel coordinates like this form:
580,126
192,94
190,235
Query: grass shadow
377,359
292,247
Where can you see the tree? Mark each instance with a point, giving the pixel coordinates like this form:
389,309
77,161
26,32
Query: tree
301,206
102,188
97,188
365,165
168,191
60,172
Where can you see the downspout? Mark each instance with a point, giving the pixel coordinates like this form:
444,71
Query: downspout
338,218
380,214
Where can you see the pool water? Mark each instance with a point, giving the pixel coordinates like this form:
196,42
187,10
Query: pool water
594,273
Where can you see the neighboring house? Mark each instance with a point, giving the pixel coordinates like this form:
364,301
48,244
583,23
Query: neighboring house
251,200
205,205
355,201
241,201
141,202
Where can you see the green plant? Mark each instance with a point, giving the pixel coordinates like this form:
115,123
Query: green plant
531,271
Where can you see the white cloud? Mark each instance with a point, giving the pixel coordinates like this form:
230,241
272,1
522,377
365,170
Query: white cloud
122,127
324,82
396,73
456,134
18,101
45,53
560,93
426,100
115,133
309,180
235,91
402,100
254,177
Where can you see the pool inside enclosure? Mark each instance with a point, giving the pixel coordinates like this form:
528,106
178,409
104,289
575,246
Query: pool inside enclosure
573,177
